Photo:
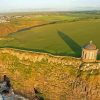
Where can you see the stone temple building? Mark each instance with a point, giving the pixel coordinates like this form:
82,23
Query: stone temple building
89,52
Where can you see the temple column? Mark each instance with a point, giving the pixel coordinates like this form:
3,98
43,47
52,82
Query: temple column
91,55
88,55
84,55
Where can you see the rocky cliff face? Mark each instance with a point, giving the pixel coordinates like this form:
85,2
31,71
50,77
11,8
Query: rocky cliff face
56,77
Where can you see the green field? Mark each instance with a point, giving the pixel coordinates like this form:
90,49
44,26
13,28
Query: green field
65,37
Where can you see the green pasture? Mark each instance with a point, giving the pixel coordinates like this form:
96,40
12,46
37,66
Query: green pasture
66,38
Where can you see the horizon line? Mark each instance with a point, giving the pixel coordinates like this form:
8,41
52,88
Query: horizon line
49,11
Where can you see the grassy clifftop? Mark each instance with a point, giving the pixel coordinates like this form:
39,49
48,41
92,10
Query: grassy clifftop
56,77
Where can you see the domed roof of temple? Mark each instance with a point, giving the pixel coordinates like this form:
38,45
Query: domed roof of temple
90,46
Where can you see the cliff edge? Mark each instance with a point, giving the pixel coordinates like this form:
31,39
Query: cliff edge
56,77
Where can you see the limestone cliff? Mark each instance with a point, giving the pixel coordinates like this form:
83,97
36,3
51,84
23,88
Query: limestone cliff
56,77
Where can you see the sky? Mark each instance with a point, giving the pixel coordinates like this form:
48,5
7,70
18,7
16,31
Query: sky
42,5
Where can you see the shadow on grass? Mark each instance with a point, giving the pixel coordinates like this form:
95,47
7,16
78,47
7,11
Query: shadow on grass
76,48
70,42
